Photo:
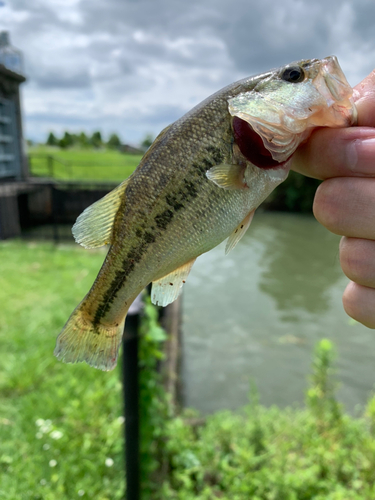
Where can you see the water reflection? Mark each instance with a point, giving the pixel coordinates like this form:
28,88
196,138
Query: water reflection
257,313
298,263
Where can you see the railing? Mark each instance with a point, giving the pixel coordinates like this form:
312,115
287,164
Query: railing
49,166
46,165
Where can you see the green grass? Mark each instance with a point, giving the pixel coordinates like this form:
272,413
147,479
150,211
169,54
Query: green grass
59,424
82,164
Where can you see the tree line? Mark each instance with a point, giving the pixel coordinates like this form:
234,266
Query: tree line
95,140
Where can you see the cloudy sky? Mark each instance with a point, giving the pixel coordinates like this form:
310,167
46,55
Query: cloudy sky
134,66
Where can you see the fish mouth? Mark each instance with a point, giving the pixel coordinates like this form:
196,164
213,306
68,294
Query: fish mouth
252,147
333,86
276,116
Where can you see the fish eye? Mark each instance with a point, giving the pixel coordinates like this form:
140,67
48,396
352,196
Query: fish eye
293,74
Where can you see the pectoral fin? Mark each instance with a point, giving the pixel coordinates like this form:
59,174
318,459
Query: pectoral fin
168,288
227,176
93,228
237,234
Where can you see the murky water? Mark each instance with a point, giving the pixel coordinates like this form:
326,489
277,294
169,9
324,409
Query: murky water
257,313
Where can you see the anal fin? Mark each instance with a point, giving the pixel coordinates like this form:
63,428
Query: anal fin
237,234
167,289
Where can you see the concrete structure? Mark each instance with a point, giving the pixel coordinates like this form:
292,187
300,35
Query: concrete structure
13,164
12,158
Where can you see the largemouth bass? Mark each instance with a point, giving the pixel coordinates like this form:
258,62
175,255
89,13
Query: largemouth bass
198,184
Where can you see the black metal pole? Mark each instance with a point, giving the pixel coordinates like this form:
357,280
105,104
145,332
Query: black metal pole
54,211
131,397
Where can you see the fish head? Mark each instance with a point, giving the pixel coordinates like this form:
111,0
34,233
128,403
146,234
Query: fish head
272,119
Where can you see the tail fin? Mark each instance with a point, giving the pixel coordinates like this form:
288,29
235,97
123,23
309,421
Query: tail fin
81,340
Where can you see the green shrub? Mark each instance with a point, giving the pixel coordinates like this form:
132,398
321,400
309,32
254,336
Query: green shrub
296,194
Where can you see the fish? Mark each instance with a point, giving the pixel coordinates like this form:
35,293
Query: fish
198,184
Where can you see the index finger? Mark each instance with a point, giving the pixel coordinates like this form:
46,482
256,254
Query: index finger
343,152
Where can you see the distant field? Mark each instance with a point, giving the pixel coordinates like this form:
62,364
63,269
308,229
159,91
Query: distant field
82,164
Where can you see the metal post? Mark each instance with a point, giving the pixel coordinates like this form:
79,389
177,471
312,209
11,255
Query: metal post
54,211
131,398
50,166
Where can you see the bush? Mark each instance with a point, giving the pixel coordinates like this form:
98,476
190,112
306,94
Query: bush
296,194
270,453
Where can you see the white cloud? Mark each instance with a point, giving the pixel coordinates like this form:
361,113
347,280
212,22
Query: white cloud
132,67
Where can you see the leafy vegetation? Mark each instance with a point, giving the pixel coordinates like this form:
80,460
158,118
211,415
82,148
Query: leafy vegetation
82,140
61,426
296,194
95,140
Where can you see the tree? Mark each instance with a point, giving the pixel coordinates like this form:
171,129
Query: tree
52,140
66,141
114,141
96,139
83,140
147,141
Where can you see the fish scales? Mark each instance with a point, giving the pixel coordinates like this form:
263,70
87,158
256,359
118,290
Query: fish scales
158,197
194,187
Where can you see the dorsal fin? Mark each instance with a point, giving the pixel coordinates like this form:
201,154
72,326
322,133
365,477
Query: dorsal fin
167,289
237,234
93,228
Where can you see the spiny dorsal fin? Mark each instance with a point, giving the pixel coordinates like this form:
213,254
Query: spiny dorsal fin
167,289
93,228
227,176
237,234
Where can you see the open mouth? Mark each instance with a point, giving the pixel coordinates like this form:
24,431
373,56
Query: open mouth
252,147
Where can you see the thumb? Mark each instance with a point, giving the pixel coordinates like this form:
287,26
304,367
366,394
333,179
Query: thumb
346,151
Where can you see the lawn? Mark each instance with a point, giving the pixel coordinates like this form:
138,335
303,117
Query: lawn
82,164
61,425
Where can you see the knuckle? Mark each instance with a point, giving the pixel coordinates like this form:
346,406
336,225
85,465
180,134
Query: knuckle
352,263
349,301
327,206
358,304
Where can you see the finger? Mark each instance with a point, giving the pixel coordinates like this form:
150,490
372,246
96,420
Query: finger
357,259
337,153
334,153
344,205
359,302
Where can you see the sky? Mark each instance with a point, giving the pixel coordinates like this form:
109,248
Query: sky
134,66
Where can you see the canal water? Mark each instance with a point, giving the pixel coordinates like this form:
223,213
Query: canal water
256,314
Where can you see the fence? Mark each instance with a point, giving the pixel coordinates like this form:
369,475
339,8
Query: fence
58,190
48,209
101,168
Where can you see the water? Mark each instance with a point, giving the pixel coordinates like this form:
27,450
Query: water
257,313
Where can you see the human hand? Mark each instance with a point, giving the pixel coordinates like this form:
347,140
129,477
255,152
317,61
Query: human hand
345,202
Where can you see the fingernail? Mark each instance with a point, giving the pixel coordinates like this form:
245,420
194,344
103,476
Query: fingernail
361,156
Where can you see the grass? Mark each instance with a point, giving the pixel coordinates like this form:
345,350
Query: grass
82,164
60,425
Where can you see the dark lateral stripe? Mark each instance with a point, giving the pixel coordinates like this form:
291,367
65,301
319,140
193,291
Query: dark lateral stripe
162,220
128,264
185,193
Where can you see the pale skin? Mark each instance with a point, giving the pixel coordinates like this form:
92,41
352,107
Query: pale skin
345,202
